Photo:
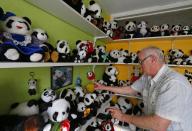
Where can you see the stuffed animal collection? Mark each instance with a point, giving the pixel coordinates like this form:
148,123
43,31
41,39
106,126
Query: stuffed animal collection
133,29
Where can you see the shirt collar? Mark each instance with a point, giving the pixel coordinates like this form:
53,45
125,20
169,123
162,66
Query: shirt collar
160,72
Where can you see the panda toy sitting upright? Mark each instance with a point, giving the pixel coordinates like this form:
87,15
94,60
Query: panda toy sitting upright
17,44
155,31
110,76
130,29
164,28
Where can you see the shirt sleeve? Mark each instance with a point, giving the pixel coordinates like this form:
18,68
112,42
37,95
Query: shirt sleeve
138,85
170,103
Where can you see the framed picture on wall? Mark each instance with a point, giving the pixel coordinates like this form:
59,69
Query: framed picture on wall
61,76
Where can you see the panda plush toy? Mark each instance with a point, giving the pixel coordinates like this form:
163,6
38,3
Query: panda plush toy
63,50
130,29
176,30
59,110
165,31
27,108
110,76
155,31
185,30
95,8
17,44
142,29
40,38
188,75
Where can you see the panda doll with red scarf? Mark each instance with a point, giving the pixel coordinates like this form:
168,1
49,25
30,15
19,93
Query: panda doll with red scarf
17,42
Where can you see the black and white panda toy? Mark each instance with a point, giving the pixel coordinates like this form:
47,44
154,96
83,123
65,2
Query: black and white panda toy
130,29
110,76
155,31
114,56
64,51
17,44
176,30
95,8
165,31
32,83
27,108
59,110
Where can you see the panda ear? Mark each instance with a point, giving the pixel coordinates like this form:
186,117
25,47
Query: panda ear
27,19
78,41
134,22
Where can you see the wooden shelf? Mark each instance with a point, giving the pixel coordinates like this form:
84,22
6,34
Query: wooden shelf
154,38
61,10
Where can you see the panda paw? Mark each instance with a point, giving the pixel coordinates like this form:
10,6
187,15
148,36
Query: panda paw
12,54
36,57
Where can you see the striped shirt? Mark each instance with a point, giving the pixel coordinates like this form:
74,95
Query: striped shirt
168,95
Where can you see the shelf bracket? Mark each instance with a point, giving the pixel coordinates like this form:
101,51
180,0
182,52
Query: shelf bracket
99,37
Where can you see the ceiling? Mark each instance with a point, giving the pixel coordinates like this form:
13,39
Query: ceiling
129,9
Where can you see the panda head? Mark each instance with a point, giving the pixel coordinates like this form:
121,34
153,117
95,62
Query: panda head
48,95
142,25
79,91
40,34
111,70
94,7
124,104
115,54
130,26
164,27
186,28
63,47
67,94
101,48
89,98
113,24
176,53
81,107
17,25
155,28
176,28
59,110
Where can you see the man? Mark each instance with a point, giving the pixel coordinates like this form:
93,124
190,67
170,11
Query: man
167,95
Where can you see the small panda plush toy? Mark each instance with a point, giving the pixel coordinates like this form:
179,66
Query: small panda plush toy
165,31
95,8
185,30
176,30
110,76
155,31
130,29
142,29
114,56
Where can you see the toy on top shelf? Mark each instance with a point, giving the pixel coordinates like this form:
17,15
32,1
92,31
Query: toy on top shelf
165,31
130,29
17,42
155,31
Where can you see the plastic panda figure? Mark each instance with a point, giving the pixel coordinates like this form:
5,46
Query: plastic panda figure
165,31
32,83
176,30
130,29
110,76
17,44
185,30
59,110
63,50
155,31
27,108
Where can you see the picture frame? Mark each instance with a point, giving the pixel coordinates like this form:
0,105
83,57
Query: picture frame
61,76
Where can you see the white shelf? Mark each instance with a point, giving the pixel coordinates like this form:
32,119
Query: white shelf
31,64
61,10
155,38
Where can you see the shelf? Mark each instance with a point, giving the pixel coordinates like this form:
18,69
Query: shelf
31,64
154,38
51,64
61,10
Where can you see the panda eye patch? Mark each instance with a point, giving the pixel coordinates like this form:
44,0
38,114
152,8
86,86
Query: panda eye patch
63,113
61,45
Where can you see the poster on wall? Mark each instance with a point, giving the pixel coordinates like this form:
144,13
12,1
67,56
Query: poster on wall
61,76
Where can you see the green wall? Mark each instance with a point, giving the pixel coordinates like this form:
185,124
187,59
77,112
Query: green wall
13,82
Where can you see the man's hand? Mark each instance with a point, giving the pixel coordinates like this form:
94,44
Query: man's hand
116,113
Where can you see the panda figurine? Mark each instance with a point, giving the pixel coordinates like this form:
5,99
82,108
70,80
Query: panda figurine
17,42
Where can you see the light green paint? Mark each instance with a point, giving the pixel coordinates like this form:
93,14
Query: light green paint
13,82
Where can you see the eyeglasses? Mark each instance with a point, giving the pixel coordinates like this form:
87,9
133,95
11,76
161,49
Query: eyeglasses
141,61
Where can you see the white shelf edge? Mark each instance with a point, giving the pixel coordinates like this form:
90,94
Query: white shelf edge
154,38
31,64
64,12
50,64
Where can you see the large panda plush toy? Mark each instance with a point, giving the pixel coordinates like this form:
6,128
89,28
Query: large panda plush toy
17,44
